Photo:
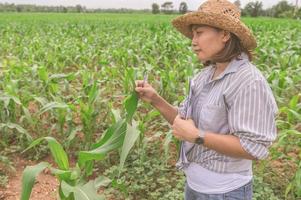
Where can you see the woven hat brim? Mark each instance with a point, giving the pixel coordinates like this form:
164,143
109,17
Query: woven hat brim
183,24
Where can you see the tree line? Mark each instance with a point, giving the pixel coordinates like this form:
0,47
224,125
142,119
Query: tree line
282,9
11,7
252,9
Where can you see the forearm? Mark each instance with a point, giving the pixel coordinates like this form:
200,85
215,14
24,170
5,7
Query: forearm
168,111
226,144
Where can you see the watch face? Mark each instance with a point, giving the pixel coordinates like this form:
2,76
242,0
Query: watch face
199,140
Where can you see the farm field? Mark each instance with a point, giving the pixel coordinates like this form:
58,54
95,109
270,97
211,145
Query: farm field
68,79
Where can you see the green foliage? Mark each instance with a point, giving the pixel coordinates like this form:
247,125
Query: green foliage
155,8
66,76
3,180
28,179
146,176
262,190
183,8
72,185
253,9
282,8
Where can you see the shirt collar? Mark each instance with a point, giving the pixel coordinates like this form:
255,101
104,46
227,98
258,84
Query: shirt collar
232,67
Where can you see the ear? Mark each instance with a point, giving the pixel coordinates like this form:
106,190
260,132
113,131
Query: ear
226,36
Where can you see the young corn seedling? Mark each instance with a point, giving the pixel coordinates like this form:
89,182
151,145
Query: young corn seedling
73,183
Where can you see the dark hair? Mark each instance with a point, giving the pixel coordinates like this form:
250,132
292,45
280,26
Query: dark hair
233,48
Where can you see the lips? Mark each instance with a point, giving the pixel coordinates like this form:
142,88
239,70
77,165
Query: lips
197,50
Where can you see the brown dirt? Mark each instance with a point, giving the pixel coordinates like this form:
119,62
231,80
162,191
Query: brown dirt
45,187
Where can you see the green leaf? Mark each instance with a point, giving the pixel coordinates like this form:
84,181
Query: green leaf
293,102
93,93
116,114
130,105
61,174
33,144
28,178
27,115
52,105
81,192
58,153
132,134
111,132
73,134
102,181
61,76
18,128
298,181
295,114
56,149
100,152
43,74
112,140
41,100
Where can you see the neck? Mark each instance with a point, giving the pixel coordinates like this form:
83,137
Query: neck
220,67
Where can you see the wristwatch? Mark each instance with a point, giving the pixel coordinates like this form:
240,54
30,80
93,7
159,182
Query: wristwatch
200,140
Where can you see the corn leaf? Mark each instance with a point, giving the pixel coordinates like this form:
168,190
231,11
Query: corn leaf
28,178
56,149
111,133
130,105
132,134
52,105
81,192
16,127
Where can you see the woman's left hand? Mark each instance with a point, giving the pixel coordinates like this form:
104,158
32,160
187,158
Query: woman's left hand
184,129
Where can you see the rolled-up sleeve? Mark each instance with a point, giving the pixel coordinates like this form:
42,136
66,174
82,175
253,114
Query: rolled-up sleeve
252,116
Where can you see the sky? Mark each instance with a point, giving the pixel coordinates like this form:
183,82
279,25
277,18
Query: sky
134,4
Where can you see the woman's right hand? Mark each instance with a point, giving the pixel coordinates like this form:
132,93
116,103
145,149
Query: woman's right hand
145,91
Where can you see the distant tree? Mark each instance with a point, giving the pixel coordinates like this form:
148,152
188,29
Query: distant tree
167,7
253,9
78,8
281,7
64,9
19,8
155,8
296,9
183,7
237,3
297,14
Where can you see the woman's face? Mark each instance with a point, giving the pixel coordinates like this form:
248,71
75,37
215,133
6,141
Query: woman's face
208,41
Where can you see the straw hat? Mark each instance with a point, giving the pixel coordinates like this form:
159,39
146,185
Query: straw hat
217,13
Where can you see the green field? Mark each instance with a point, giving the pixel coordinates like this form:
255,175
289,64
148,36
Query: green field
67,76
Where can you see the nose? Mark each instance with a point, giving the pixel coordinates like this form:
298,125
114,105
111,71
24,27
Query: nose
194,41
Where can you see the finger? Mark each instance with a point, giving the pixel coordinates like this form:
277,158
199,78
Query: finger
190,121
140,89
139,83
140,94
178,117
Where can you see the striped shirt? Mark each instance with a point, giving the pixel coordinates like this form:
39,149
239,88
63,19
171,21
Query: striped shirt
238,102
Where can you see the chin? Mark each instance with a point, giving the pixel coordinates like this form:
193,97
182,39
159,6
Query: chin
202,58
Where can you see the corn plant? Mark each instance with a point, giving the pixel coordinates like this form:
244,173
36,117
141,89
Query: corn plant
88,111
57,58
73,183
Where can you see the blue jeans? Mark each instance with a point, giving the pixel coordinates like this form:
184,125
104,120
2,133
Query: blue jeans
243,193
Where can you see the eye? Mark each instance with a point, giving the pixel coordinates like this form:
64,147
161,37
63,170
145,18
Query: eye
199,32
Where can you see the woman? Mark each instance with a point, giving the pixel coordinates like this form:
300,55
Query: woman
228,119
